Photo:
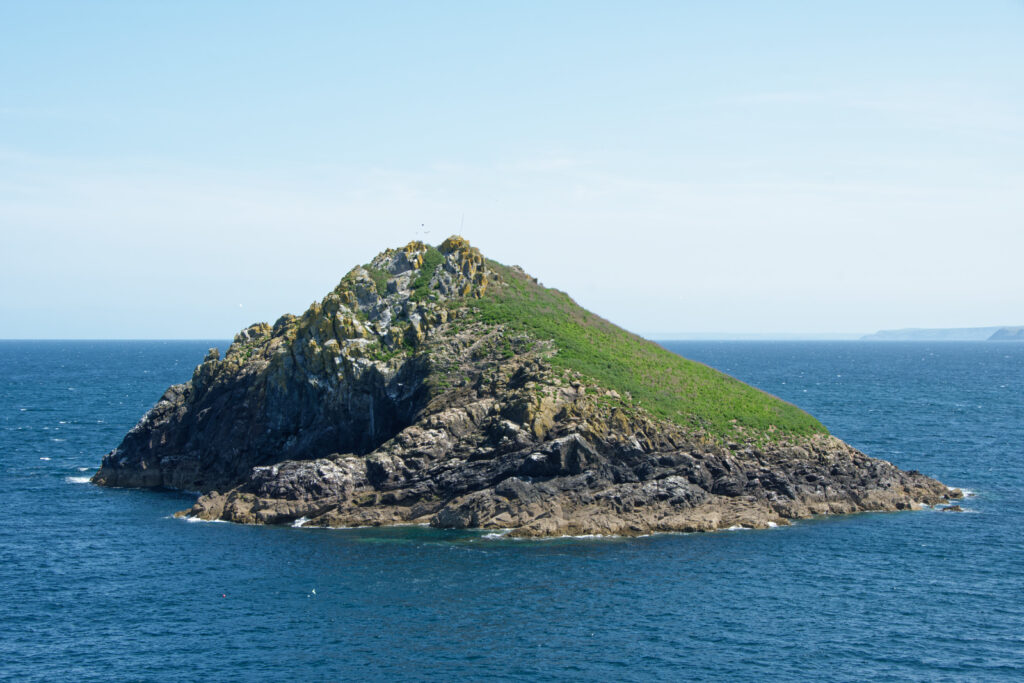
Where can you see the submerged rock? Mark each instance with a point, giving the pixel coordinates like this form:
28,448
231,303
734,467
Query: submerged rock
435,386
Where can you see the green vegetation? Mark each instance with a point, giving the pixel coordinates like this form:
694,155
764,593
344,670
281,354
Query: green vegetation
380,278
243,352
421,285
667,385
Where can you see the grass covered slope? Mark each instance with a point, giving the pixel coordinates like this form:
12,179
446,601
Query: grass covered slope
667,385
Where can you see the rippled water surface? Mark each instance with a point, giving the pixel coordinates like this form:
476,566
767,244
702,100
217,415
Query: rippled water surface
102,584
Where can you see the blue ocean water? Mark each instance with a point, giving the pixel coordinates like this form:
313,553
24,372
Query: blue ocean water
101,584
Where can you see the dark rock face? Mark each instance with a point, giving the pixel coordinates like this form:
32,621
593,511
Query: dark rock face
381,406
185,441
298,389
465,465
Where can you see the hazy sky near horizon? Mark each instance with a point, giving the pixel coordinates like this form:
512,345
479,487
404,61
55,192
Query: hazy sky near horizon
180,170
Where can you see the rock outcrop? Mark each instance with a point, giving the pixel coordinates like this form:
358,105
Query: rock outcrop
402,398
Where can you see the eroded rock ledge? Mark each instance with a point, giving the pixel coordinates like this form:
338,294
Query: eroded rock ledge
496,475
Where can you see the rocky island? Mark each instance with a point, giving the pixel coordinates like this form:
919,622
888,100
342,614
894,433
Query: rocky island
435,386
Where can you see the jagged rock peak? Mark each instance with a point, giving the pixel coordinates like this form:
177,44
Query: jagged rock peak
394,301
454,269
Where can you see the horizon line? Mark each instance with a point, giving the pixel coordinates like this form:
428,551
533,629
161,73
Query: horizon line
693,336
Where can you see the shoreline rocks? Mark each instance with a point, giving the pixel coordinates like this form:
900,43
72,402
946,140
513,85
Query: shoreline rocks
595,500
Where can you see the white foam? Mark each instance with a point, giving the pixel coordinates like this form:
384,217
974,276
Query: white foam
77,480
736,527
200,519
497,534
590,536
503,534
44,458
772,525
83,469
299,522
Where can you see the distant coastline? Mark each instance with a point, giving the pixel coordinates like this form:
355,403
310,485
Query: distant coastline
1006,333
752,336
951,334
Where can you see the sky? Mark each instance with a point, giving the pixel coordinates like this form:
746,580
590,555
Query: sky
181,170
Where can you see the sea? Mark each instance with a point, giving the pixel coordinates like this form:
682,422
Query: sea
106,585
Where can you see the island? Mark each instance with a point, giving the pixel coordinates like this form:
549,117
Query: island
435,386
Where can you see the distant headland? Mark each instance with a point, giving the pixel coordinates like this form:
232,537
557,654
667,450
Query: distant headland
949,334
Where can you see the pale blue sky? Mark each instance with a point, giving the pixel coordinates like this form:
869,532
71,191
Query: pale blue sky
183,169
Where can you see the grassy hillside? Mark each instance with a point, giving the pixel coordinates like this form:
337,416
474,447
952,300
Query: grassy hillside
669,386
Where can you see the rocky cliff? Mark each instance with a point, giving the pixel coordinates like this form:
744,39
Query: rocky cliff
435,386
